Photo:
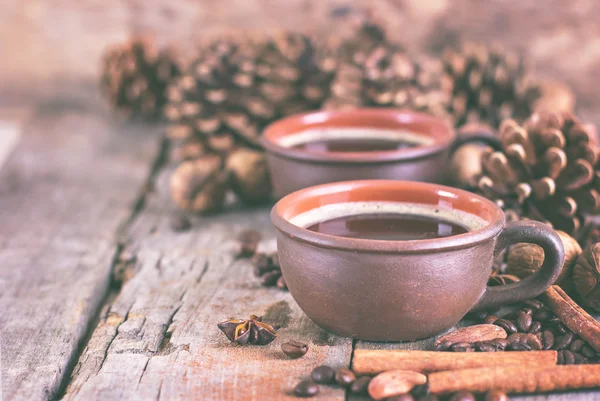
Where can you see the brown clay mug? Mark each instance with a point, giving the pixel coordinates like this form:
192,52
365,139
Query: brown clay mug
384,290
431,141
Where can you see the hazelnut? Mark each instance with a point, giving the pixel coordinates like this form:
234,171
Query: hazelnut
200,185
465,164
525,259
249,175
586,276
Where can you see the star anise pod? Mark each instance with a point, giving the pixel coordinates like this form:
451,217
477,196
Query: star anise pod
251,331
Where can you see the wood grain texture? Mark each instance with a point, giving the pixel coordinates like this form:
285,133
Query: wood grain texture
64,192
158,339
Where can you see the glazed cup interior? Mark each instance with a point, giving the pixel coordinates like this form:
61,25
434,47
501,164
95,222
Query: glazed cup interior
293,213
427,133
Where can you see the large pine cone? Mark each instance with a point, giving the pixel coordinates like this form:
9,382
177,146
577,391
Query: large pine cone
489,84
547,170
134,77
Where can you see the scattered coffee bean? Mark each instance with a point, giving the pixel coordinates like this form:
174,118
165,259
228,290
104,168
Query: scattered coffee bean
535,328
588,352
294,349
261,263
401,397
524,322
576,345
462,396
360,385
323,374
564,341
495,395
462,347
429,397
270,278
506,325
180,223
542,315
578,358
490,319
344,377
547,339
443,346
306,388
561,328
565,357
534,304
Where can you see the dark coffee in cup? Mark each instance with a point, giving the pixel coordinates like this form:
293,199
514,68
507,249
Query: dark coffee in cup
388,227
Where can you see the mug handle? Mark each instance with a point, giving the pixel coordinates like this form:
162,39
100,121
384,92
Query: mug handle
532,232
481,134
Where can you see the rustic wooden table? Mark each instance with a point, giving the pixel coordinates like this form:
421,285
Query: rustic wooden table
101,300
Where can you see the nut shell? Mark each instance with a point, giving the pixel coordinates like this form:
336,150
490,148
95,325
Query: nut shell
249,175
199,185
525,259
586,276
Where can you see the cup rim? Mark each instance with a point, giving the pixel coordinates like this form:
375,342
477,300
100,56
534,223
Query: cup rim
367,117
458,241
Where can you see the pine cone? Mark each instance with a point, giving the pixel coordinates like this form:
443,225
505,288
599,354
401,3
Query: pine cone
249,175
135,76
586,276
489,85
200,185
546,171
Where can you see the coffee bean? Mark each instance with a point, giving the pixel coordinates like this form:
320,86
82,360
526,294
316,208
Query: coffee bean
462,347
501,343
506,325
576,345
490,319
443,346
547,339
306,388
401,397
535,328
542,315
495,395
524,322
261,263
344,377
564,341
462,396
561,328
565,357
527,311
360,385
294,349
578,358
180,223
429,397
323,374
532,341
485,346
270,278
588,352
534,304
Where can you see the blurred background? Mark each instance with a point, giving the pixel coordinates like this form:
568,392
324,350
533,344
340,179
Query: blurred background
50,46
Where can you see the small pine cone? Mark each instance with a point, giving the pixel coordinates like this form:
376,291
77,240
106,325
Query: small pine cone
547,169
249,175
200,185
134,77
586,276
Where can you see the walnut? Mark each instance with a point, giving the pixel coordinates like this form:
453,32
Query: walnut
586,276
249,175
525,259
200,185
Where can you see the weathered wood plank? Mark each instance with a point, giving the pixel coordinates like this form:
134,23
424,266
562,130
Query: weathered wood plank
158,339
64,192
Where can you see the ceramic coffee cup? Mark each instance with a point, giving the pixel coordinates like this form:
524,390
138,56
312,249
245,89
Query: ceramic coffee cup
431,140
384,290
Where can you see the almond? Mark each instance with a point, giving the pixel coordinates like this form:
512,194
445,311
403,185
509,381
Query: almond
394,382
471,334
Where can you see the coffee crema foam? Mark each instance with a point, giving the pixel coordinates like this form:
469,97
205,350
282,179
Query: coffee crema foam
324,213
319,134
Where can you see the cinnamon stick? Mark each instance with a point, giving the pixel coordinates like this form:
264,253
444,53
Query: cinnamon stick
376,361
516,379
573,316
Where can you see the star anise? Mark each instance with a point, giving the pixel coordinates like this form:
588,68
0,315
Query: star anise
251,331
